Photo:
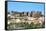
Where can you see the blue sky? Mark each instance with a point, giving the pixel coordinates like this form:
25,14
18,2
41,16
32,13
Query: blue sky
25,7
11,0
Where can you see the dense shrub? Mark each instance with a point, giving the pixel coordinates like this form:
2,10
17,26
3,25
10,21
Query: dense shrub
27,26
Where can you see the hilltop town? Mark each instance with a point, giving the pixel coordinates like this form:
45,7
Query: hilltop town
22,18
